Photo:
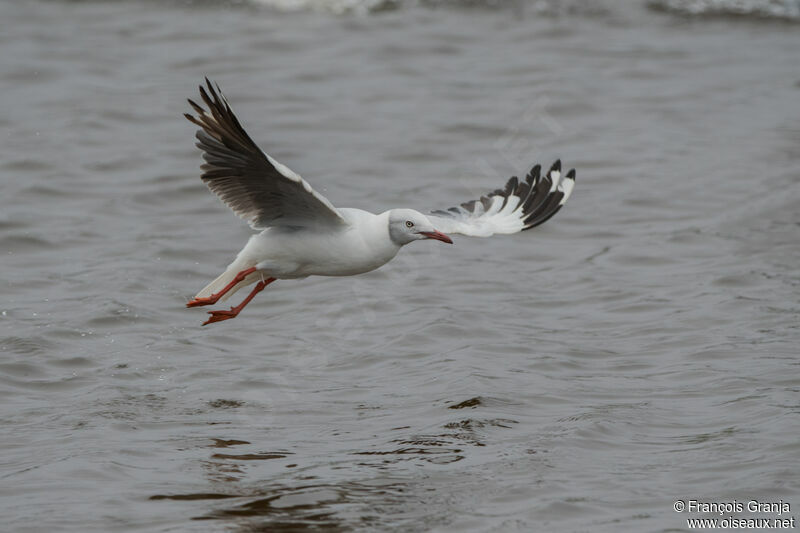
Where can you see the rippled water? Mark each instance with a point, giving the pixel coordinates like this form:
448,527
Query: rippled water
640,347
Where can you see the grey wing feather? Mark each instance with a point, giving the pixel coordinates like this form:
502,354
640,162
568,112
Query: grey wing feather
520,205
255,186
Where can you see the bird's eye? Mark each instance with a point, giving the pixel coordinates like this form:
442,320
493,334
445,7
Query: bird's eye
409,224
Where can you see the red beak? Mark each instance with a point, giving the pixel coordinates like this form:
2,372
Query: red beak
438,235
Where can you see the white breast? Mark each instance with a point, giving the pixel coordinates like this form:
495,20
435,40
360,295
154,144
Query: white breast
286,253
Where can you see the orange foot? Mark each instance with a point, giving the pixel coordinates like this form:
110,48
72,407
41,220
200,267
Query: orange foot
219,316
214,298
196,302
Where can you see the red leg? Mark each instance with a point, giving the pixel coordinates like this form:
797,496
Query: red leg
218,316
216,296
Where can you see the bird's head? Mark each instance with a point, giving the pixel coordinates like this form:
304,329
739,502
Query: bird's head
407,225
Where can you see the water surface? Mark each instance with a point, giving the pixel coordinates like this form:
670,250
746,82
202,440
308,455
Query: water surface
639,348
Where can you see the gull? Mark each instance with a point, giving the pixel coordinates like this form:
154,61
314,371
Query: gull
302,234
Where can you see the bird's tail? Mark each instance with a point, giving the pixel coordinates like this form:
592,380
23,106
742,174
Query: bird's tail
227,277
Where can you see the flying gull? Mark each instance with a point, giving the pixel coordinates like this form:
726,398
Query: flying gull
302,234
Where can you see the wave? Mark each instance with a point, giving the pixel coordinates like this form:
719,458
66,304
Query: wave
542,7
761,9
753,9
334,6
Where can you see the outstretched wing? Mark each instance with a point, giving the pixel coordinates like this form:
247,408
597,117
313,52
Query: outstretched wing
519,206
258,189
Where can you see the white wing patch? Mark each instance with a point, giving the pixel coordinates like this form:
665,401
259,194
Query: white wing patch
519,206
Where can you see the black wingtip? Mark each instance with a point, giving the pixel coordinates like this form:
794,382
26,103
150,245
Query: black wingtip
533,175
537,199
199,110
211,90
511,186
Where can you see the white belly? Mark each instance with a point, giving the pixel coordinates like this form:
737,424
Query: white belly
287,254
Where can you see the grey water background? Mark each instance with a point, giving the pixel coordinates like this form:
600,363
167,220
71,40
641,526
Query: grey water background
639,348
